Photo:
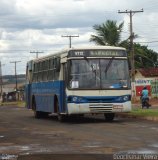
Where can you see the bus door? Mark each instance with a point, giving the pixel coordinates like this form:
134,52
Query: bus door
64,85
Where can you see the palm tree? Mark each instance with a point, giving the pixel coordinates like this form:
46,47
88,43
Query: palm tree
108,33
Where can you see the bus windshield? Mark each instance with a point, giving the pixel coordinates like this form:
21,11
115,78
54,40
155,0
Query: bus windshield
98,74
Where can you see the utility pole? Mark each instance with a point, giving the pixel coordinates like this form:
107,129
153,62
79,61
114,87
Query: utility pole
70,36
131,13
15,62
37,52
1,80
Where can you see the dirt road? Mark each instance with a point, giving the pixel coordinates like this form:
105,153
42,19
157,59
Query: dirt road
22,134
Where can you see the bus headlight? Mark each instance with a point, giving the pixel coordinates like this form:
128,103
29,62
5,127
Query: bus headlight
125,98
74,99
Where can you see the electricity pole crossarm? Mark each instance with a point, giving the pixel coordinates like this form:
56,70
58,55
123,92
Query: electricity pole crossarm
15,62
132,12
70,36
37,52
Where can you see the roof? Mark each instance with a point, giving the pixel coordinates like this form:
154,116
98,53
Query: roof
149,72
79,48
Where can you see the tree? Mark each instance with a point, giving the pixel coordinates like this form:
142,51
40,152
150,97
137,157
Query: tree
144,57
108,33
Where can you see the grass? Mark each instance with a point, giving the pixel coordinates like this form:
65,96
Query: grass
16,103
134,112
144,112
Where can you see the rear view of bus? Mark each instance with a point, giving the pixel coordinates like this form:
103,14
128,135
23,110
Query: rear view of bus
98,81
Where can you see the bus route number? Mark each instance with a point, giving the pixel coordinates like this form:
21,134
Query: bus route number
79,54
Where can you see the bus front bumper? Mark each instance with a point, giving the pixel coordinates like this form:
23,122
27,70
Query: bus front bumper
84,108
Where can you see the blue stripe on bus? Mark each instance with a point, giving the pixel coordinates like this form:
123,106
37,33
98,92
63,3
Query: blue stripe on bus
98,99
44,93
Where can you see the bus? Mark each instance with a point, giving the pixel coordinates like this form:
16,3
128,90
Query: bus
78,81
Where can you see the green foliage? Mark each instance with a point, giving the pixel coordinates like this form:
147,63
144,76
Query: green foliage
144,112
15,103
144,57
109,33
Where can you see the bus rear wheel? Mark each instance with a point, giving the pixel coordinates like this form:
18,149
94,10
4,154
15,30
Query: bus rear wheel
109,116
39,114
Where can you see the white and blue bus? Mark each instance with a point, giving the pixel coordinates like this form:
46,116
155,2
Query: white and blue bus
78,81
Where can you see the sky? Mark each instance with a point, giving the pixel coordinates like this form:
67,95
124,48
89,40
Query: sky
38,25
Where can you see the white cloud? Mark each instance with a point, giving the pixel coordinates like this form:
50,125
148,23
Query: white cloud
38,24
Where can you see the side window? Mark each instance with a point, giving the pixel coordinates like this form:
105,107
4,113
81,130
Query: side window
45,70
51,69
56,68
39,72
35,72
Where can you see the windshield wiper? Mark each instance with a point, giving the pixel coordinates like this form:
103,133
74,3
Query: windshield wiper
108,65
93,71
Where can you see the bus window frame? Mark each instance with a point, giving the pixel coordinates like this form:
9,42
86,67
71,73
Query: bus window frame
81,58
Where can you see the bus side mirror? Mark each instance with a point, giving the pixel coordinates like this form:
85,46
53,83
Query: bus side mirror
57,64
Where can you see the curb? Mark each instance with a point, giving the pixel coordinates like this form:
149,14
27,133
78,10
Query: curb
126,115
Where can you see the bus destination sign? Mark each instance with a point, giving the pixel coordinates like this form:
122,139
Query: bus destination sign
97,53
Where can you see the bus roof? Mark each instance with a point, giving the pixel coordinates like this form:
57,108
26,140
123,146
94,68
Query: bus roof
78,48
98,47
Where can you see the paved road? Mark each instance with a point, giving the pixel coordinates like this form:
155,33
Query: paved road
21,134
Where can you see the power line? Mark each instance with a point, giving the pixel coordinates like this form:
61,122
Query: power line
131,13
148,42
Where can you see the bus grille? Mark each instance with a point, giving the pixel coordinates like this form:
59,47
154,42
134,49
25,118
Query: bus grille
101,108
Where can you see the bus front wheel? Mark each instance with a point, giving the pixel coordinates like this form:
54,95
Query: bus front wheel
61,117
109,116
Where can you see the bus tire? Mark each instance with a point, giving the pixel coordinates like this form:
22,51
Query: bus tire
109,117
40,114
37,114
61,117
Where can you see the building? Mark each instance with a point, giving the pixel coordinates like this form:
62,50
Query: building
146,77
10,94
